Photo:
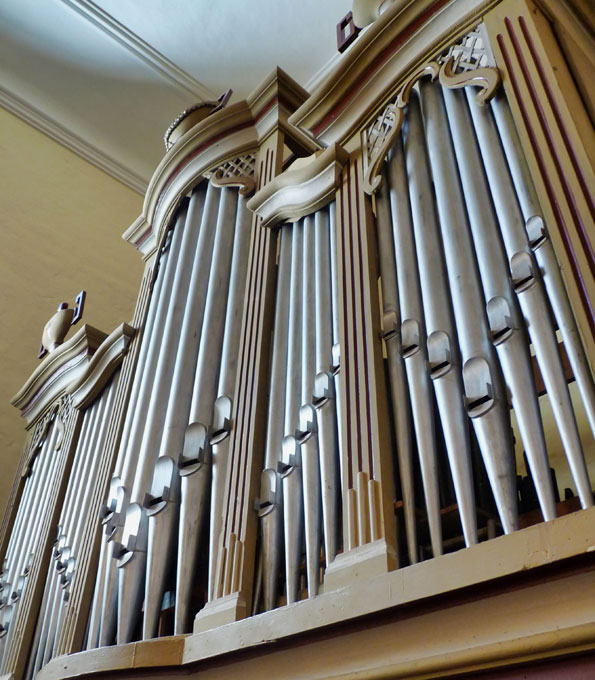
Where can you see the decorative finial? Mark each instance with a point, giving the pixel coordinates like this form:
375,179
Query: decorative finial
192,116
56,328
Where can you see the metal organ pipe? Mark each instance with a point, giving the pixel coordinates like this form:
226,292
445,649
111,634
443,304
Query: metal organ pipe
18,567
484,393
163,499
307,426
195,460
543,250
270,504
324,388
104,615
442,348
133,555
401,406
290,463
527,283
503,315
336,348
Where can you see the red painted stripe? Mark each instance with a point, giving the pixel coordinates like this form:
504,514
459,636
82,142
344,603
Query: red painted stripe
550,191
578,169
382,57
365,327
266,109
345,350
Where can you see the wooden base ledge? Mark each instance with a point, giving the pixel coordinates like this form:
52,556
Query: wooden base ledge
435,619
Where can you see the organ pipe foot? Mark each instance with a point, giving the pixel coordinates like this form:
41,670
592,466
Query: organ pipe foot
308,440
162,504
270,510
293,514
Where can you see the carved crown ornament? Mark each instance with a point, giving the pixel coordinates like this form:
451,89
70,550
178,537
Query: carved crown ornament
235,172
466,62
57,327
191,116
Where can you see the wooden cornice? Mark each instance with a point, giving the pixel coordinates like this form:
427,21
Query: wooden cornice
521,579
99,370
405,35
234,130
219,136
308,185
56,372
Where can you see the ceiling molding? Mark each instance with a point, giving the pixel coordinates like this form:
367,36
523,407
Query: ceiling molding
60,134
149,55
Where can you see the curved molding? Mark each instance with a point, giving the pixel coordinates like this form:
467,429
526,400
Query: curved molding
300,190
226,133
99,370
58,370
406,35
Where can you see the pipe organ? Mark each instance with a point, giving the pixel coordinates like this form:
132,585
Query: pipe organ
364,311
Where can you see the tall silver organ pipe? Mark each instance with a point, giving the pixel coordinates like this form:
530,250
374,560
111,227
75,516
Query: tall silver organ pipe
290,463
74,516
528,285
476,251
484,392
270,507
324,396
540,243
392,333
303,408
22,547
442,343
504,317
163,477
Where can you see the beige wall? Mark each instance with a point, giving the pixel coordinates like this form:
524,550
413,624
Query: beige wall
61,221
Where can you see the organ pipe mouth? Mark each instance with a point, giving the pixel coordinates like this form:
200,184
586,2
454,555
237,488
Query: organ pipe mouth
536,232
290,456
479,390
439,354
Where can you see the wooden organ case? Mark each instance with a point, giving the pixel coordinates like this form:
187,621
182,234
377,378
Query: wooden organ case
349,431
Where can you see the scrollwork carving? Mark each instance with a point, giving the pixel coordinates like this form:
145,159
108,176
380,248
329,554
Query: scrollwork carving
64,411
235,172
466,62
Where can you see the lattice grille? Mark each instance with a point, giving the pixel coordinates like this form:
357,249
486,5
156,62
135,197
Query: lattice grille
470,52
242,166
379,129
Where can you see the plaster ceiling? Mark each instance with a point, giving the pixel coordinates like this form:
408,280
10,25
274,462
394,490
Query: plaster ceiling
107,78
